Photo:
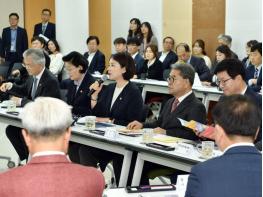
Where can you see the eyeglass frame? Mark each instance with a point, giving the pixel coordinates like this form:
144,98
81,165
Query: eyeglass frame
218,82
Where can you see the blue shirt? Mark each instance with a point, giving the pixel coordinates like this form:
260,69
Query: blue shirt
13,39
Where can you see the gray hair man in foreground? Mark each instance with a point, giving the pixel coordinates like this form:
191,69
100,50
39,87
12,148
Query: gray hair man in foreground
46,123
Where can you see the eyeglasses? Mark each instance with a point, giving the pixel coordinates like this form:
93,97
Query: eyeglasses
223,82
170,79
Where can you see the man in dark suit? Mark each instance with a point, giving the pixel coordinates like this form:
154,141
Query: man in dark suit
133,45
238,172
94,56
183,105
45,28
231,77
41,83
167,56
49,172
14,41
254,71
184,54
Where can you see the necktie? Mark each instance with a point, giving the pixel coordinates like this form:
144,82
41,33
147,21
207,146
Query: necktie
174,105
34,88
256,73
43,29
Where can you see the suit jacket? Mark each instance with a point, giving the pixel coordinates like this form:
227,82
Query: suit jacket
79,100
52,176
127,107
97,63
21,42
155,71
236,173
139,61
250,75
191,108
201,68
50,31
47,86
170,59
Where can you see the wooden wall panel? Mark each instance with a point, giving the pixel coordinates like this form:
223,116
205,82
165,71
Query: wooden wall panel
100,24
32,13
208,22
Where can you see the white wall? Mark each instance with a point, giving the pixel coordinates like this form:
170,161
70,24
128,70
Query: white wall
243,23
7,7
72,24
124,10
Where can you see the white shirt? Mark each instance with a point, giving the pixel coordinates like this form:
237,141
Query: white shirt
91,55
56,63
244,91
47,153
163,56
134,55
181,98
250,80
238,144
116,93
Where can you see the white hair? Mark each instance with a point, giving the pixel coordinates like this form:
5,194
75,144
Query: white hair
37,56
46,117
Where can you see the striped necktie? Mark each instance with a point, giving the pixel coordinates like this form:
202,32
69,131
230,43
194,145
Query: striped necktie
174,105
256,73
34,88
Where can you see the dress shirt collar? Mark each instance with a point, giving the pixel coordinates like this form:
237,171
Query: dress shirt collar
47,153
258,67
45,24
244,91
181,98
238,144
134,55
40,74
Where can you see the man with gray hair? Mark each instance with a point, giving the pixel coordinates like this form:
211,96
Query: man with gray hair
40,83
49,172
226,40
183,105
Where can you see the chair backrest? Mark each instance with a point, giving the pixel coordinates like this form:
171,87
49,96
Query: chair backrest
145,112
17,66
4,67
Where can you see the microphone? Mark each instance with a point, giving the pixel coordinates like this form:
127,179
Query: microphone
100,81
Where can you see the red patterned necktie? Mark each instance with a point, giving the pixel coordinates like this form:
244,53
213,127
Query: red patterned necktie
174,105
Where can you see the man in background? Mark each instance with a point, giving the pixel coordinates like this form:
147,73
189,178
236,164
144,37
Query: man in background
226,40
14,42
95,57
49,172
45,28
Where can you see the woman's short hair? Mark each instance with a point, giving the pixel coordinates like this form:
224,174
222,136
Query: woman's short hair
225,50
46,117
125,61
154,49
76,59
93,38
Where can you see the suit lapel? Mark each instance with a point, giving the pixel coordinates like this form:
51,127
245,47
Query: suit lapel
40,84
119,98
184,104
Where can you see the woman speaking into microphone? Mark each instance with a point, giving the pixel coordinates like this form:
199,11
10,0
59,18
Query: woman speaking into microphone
120,103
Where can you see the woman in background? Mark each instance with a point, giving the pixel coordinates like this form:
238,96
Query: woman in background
152,67
222,52
199,51
147,37
135,29
56,62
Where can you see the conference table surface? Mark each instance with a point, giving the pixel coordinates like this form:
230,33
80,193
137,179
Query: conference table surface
183,157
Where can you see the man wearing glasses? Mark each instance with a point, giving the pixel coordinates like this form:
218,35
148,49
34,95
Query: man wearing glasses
41,83
45,28
231,76
182,105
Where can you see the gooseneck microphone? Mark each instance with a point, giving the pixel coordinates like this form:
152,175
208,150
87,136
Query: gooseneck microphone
100,81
